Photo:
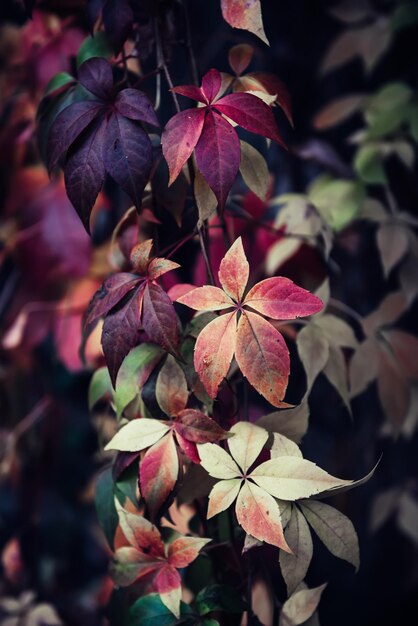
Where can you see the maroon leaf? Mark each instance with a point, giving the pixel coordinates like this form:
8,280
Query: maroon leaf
117,19
159,318
84,171
109,295
192,92
121,332
218,155
197,427
96,76
136,105
211,84
251,113
128,156
68,125
180,137
276,87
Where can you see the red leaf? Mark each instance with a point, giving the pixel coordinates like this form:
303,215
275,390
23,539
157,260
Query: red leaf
189,448
234,271
110,293
218,155
195,426
214,350
159,319
251,113
158,473
275,86
96,76
180,137
67,126
190,91
206,298
84,170
121,332
211,84
263,357
240,57
127,156
245,14
136,105
281,299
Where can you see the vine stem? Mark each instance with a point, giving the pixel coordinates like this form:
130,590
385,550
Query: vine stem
344,308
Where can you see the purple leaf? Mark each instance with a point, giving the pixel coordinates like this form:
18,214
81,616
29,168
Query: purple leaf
68,125
84,171
128,156
117,19
136,105
110,294
96,76
159,318
218,155
251,113
121,333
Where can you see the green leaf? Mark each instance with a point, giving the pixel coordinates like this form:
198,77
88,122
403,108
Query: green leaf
404,16
94,46
127,484
150,611
387,110
58,81
338,201
105,505
368,164
219,598
100,384
129,380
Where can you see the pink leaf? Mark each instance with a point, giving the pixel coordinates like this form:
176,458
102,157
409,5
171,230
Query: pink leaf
168,584
245,14
218,155
158,473
211,84
234,271
263,357
192,92
206,298
180,137
140,255
214,351
251,113
189,448
259,515
280,299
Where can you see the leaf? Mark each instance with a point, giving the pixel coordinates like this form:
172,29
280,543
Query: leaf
121,332
246,444
138,434
211,84
298,536
239,57
136,105
171,387
158,267
105,505
263,357
67,126
206,298
134,373
128,156
259,515
254,170
183,550
337,331
313,350
390,309
217,462
338,111
363,367
292,423
96,76
158,474
100,384
205,198
84,171
149,610
179,139
214,350
218,155
245,15
219,598
393,244
96,45
300,606
60,80
336,372
282,446
280,299
280,252
111,292
140,532
405,348
222,495
250,113
394,392
234,271
197,427
334,529
140,256
117,19
159,319
292,478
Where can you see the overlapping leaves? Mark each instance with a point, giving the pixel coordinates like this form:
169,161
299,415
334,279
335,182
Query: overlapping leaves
259,348
102,134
